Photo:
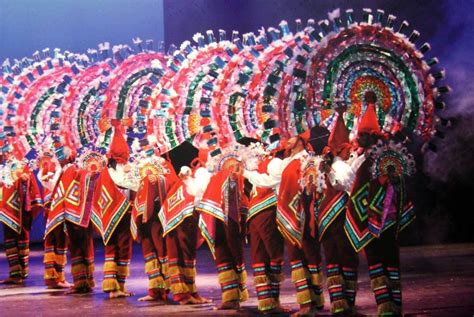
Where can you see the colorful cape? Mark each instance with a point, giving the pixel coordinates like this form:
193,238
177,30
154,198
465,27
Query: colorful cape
377,219
19,198
214,205
178,205
356,223
109,205
144,204
290,214
69,199
332,204
365,214
262,198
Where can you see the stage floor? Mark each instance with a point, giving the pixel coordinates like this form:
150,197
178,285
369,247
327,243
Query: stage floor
437,281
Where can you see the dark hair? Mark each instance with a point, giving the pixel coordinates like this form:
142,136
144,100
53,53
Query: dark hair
370,96
112,163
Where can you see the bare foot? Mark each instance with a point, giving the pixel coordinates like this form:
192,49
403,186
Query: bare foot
306,311
118,294
189,301
202,300
12,281
277,310
79,290
149,298
60,285
227,305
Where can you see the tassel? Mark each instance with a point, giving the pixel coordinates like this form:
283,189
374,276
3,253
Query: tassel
178,286
78,269
110,285
49,257
244,294
157,283
242,277
190,277
317,279
276,278
339,306
227,276
60,259
110,266
232,295
261,279
123,271
379,282
298,275
266,304
335,288
387,308
50,276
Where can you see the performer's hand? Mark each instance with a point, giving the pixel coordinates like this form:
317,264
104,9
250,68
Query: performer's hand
127,168
24,177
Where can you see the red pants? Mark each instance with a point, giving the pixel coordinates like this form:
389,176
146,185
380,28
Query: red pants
383,258
341,262
154,253
266,245
118,252
17,247
305,263
181,247
230,262
55,256
82,255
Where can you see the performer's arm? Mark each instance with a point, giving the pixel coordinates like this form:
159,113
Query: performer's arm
267,180
201,180
122,179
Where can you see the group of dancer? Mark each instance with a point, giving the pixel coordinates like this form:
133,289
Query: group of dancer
315,192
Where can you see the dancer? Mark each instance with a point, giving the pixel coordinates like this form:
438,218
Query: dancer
158,177
20,202
341,260
111,206
385,210
222,215
56,242
266,241
180,224
296,222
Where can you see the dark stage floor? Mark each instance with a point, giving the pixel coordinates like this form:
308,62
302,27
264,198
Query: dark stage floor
437,281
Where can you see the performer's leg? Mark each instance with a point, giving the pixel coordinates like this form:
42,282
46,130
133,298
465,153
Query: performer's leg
188,236
349,263
55,258
235,240
312,254
181,247
274,242
110,283
391,261
88,251
124,252
379,281
333,238
301,277
226,270
156,281
159,243
260,266
24,243
177,278
79,244
13,258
